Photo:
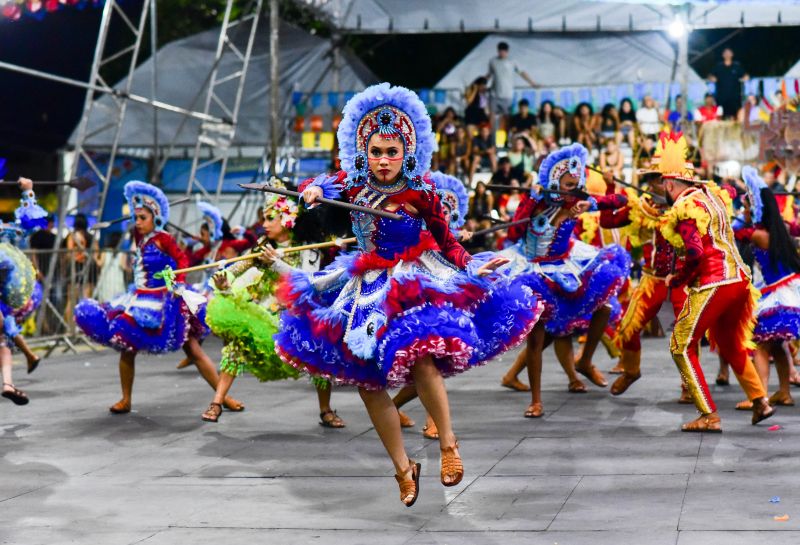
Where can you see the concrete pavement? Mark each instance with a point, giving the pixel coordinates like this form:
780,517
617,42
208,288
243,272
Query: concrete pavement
595,469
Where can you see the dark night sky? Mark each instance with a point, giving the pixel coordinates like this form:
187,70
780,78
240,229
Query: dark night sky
37,116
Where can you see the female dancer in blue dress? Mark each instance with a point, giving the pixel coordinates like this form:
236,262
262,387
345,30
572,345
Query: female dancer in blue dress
577,282
149,317
777,275
410,305
20,293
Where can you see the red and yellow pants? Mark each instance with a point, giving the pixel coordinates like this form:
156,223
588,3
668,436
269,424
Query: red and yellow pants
726,312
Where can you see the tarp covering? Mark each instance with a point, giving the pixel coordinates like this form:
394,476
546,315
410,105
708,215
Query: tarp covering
412,16
184,65
556,60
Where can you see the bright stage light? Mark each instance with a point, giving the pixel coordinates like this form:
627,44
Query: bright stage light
677,28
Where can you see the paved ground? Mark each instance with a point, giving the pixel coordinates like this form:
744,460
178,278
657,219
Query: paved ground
594,470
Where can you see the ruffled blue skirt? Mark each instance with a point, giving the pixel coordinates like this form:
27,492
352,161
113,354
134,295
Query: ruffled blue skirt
573,288
368,327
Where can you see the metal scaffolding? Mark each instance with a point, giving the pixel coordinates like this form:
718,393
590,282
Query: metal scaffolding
214,139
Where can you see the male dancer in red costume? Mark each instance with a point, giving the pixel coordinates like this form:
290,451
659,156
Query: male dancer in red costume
720,298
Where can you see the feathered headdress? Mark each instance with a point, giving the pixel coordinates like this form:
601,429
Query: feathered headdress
213,218
754,184
391,112
570,159
454,196
29,215
673,163
144,195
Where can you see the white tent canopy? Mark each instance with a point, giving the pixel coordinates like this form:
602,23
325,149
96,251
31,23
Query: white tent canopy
183,67
558,60
413,16
794,71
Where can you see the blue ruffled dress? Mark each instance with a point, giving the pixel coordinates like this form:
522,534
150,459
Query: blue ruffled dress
573,278
366,318
148,317
778,310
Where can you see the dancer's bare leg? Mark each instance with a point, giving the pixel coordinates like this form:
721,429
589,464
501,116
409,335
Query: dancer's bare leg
533,357
404,395
782,356
511,378
208,370
432,394
127,371
383,415
597,327
31,358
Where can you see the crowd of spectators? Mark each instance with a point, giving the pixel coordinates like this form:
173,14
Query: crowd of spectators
495,143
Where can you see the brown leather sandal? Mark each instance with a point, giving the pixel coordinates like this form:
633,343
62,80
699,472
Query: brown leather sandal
232,404
409,490
213,412
515,384
745,405
594,375
577,387
761,410
429,431
779,399
616,370
534,410
705,423
722,380
451,465
17,396
405,420
120,407
623,382
329,419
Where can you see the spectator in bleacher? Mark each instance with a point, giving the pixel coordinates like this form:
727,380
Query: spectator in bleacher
480,210
751,111
611,157
484,151
647,148
728,76
504,173
445,131
477,110
709,111
461,150
523,121
560,116
547,122
582,126
521,156
608,126
673,118
647,117
508,202
627,121
501,72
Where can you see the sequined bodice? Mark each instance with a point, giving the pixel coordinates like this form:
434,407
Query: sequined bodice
543,239
148,260
384,236
770,274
